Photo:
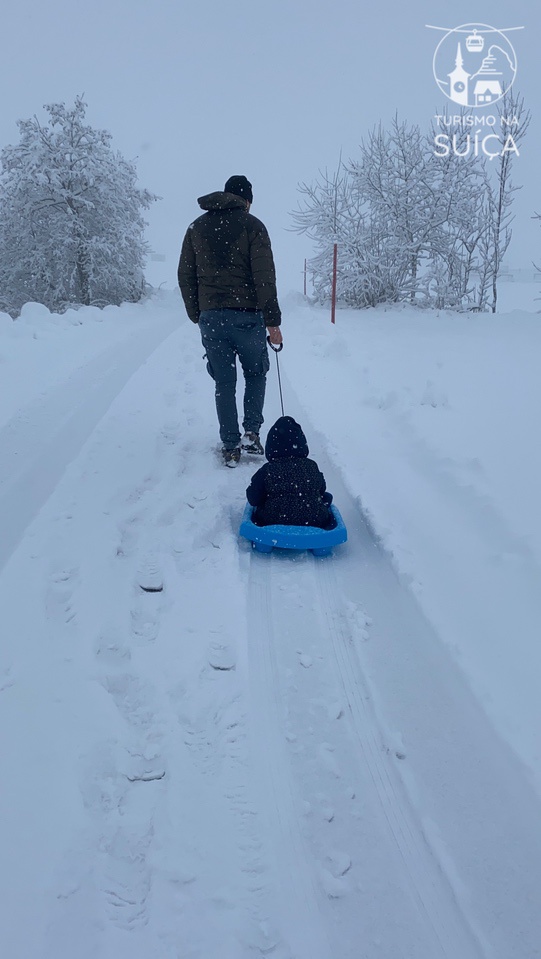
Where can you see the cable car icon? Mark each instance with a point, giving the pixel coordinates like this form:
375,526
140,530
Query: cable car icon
482,55
475,42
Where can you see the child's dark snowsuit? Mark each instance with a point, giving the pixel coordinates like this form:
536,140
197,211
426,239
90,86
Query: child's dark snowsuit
289,489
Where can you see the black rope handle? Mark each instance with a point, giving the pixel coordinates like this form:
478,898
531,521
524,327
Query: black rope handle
276,350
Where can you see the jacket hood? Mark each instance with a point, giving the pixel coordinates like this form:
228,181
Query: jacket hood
221,201
286,440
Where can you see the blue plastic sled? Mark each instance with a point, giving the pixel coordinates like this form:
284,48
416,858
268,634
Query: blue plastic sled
320,541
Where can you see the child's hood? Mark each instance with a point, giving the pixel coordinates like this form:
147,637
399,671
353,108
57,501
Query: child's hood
285,440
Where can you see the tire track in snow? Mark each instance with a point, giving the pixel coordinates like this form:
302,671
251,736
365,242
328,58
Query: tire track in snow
436,900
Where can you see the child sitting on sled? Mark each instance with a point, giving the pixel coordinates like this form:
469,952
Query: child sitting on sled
289,489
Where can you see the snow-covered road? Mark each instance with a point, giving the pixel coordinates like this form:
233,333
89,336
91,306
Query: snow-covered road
272,755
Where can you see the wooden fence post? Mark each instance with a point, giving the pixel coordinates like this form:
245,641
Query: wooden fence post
334,270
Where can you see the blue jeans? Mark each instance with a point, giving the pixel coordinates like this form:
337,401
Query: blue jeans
227,334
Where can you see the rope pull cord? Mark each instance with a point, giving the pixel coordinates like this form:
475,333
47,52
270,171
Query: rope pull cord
276,350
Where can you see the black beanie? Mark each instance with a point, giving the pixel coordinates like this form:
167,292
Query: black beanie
240,186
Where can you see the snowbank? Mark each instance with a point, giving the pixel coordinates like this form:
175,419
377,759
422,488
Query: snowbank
39,348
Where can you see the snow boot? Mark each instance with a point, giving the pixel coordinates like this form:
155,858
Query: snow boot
251,443
231,457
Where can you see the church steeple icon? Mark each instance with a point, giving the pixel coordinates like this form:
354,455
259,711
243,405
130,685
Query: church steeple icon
458,81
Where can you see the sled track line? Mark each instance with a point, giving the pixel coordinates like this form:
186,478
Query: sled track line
436,900
306,933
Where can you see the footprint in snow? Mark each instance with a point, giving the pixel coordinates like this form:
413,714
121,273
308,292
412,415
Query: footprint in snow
338,863
335,711
147,604
170,398
6,678
129,532
212,721
149,575
127,879
144,624
110,652
144,764
332,872
132,697
221,657
399,753
333,887
261,938
328,760
59,597
101,783
168,516
170,433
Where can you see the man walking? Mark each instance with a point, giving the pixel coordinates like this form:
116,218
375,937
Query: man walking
227,279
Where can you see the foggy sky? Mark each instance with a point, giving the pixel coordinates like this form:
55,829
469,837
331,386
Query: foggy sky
198,91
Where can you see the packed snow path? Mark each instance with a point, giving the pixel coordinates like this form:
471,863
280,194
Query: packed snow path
271,756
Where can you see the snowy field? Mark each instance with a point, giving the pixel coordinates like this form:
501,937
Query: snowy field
274,755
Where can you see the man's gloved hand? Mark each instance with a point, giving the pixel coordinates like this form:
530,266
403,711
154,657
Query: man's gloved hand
275,335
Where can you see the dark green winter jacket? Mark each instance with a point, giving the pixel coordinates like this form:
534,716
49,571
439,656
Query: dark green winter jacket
226,261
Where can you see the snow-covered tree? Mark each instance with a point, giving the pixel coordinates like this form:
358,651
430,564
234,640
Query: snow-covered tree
391,175
331,214
71,227
459,190
514,123
411,224
400,219
334,210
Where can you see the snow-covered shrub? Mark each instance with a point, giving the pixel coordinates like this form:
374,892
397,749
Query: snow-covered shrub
71,228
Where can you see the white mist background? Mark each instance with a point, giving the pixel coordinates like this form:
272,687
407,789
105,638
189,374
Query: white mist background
275,91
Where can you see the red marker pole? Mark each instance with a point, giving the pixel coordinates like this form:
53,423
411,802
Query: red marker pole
334,270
